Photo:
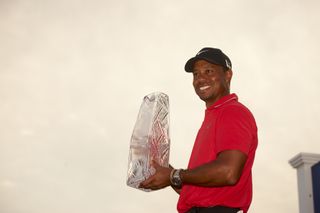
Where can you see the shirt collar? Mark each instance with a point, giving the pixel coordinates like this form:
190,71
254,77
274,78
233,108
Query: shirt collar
223,100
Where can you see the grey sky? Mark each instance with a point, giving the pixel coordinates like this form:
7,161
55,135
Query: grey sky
73,75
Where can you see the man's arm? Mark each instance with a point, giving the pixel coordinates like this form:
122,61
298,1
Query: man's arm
225,170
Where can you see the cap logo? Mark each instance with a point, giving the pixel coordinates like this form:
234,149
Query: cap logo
202,52
228,64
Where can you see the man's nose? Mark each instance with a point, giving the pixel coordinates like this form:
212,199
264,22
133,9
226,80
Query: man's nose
201,77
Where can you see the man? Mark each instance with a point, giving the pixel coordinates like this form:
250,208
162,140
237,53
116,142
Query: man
218,178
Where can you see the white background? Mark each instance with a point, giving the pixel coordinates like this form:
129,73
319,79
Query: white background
73,74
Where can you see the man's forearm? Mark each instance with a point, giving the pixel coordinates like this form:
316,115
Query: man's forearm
224,171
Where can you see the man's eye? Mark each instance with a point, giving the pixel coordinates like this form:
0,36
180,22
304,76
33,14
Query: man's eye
209,71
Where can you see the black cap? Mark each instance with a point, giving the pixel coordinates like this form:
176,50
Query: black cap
212,55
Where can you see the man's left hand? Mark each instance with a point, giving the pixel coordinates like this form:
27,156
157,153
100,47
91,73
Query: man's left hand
159,180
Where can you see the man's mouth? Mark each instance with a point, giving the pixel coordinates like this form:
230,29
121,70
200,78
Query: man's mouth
203,88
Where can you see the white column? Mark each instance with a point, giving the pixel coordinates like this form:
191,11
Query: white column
303,162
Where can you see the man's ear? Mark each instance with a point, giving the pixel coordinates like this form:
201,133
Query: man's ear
228,75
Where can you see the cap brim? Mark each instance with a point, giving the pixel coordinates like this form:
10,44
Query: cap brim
190,63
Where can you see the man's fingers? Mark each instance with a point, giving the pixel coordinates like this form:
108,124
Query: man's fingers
150,183
159,179
147,184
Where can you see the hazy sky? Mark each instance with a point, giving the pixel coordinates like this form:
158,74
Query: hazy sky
73,74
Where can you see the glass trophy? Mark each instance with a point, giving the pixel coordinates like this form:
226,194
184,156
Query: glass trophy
150,139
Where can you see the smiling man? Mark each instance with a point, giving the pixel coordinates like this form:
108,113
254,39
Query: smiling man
218,178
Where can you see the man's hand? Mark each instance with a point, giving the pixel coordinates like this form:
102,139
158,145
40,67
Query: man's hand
159,180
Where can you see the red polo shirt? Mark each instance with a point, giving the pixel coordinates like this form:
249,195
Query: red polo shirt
228,125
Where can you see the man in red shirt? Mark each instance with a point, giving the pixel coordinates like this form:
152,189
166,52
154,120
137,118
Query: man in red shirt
218,178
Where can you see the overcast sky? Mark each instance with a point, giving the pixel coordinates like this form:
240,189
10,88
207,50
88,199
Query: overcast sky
72,78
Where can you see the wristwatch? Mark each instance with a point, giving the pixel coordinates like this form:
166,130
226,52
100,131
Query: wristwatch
175,178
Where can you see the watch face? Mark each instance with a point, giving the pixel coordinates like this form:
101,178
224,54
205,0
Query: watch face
176,178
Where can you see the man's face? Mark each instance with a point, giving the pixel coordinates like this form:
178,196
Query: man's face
210,81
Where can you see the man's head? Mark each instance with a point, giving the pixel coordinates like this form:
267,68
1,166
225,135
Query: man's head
212,74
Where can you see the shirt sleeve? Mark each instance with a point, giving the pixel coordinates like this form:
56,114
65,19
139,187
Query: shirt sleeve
236,130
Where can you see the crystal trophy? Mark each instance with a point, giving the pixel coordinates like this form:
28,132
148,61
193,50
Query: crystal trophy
150,139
